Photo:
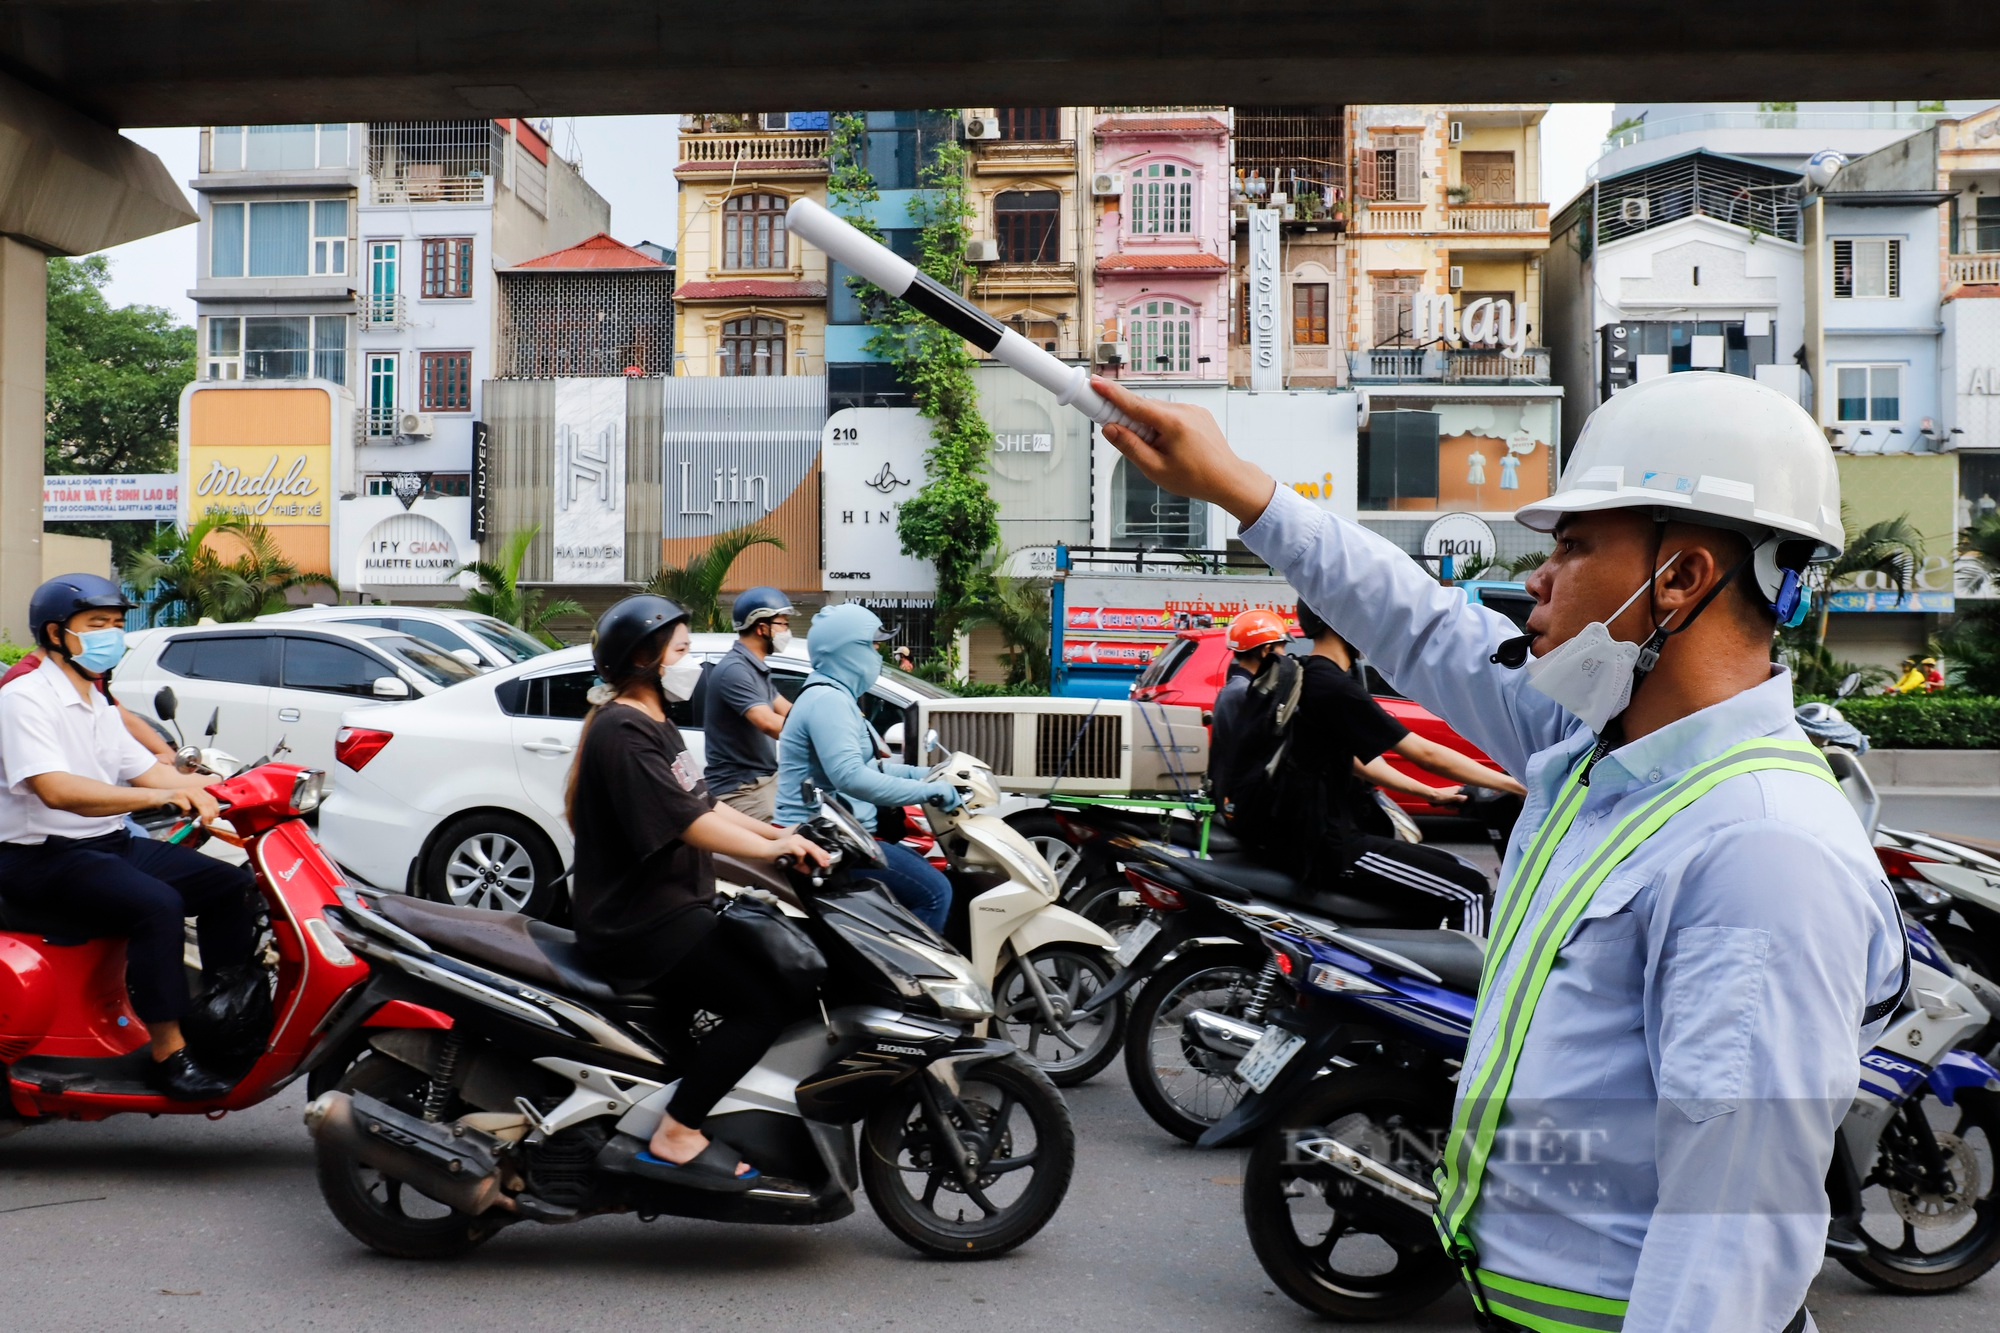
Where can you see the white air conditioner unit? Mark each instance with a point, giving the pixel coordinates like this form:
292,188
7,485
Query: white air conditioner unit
1635,210
1107,184
982,252
775,120
421,424
981,127
1457,130
1113,353
1079,746
1279,199
1455,276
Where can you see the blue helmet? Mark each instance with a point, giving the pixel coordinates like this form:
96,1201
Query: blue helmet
757,604
66,594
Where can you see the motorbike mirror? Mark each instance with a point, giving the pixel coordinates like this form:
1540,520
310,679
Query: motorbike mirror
1848,685
164,704
809,795
931,743
390,687
214,723
187,759
280,748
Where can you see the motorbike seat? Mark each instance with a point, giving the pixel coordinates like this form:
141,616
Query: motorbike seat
1241,879
53,927
508,942
1452,954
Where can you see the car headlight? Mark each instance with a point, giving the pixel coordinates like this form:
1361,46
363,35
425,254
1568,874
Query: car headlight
308,789
962,998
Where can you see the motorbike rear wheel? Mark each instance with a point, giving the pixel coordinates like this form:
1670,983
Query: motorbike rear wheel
1017,1127
1184,1088
1070,974
1943,1239
379,1211
1329,1242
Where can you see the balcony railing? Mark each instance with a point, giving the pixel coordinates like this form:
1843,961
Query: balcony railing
1027,277
1155,110
1973,268
1007,152
381,311
1379,216
427,183
753,147
1773,120
1454,365
1488,217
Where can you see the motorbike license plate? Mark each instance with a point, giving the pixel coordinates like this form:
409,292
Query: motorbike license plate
1263,1062
1136,941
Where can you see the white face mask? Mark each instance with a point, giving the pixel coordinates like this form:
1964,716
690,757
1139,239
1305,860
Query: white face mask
781,639
678,679
1592,674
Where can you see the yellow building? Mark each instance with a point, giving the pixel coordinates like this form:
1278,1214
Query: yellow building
1032,221
751,299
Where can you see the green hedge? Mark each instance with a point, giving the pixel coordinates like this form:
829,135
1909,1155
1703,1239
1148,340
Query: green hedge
1927,722
11,652
968,689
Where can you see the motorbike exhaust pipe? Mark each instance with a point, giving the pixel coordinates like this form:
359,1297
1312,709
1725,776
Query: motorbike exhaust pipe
1220,1033
456,1166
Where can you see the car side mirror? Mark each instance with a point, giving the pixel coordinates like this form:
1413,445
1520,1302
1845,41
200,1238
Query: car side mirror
893,737
214,723
165,705
470,658
390,687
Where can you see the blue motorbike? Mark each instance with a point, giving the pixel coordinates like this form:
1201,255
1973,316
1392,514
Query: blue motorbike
1348,1098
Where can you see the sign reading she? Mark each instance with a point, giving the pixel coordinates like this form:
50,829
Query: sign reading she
1266,362
1485,322
93,499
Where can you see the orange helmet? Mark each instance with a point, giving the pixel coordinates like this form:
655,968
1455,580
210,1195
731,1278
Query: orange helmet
1254,629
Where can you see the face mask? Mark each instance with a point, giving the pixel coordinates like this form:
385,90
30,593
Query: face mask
781,639
1592,674
102,649
677,680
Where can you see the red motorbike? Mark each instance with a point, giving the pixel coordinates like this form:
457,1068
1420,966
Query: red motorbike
72,1048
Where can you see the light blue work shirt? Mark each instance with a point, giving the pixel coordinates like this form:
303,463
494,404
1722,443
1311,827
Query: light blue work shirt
1672,1115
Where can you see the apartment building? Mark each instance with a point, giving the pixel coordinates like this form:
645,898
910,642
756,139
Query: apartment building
1292,160
1033,220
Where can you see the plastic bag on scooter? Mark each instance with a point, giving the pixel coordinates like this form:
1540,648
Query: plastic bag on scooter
767,934
229,1022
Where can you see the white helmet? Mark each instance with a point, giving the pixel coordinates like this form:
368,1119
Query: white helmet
1705,447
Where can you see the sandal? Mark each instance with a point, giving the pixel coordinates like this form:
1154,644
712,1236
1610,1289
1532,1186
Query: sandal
713,1168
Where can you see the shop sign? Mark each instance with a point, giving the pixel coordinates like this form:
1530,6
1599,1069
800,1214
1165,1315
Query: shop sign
871,461
1460,536
1266,358
1888,599
1023,442
1483,322
408,549
589,527
274,488
482,478
1109,620
149,497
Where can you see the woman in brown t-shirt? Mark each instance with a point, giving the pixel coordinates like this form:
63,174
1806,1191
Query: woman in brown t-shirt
644,884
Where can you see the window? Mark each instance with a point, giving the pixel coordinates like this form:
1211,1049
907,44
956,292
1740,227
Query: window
1393,300
753,346
330,236
898,145
1869,393
382,394
276,147
330,348
1162,337
1467,297
239,659
331,668
439,668
447,381
1399,458
1866,268
1243,316
385,259
1986,223
753,231
279,238
1488,178
844,305
513,644
1144,515
1390,167
1031,123
441,484
1024,222
277,347
447,267
1310,326
1160,200
225,349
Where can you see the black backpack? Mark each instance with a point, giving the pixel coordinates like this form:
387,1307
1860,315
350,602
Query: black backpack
1259,784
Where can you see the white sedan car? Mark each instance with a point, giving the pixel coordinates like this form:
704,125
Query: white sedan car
458,797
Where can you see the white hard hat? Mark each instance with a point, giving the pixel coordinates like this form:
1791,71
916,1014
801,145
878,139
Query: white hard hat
1704,447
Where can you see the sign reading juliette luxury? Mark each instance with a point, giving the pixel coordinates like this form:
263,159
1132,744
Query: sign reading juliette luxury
93,499
589,527
871,460
1266,357
408,549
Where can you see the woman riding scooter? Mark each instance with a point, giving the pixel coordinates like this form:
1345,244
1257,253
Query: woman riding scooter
644,891
828,742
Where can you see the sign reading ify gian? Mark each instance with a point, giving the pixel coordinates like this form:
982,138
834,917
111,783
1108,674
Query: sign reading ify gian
1266,356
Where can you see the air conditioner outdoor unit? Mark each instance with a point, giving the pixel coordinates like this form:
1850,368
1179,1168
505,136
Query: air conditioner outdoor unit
982,252
1455,276
1084,747
1279,199
775,120
981,127
1635,210
417,423
1107,184
1457,130
1113,353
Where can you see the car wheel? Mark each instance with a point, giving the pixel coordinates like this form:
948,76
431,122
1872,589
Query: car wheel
493,860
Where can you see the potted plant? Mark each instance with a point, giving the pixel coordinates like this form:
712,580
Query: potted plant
1457,194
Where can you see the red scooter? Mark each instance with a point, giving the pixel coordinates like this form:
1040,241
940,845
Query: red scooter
72,1048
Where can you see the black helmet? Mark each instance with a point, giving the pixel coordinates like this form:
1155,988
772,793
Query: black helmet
66,594
758,604
624,626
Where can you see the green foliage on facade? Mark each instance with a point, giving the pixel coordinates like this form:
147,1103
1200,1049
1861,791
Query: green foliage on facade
501,595
696,587
220,568
954,520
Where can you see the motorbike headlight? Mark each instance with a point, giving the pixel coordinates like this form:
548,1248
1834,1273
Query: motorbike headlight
307,791
962,998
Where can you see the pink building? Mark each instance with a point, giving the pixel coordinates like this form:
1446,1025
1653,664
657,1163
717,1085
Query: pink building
1161,277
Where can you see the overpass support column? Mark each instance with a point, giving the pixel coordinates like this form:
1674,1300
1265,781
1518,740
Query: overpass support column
68,185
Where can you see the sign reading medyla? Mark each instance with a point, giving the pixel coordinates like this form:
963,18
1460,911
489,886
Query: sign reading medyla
1267,366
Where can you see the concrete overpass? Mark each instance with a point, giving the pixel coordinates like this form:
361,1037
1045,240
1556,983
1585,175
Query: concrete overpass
74,71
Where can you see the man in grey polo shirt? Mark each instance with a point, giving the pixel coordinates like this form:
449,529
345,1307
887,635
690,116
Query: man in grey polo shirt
743,711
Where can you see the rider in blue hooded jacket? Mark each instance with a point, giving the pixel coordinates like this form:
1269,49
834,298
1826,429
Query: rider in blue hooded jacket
827,741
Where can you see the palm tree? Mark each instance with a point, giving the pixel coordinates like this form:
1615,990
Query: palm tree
697,585
1972,640
184,570
501,595
1892,548
1019,609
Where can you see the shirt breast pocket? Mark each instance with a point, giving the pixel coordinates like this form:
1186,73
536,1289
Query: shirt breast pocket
1708,1009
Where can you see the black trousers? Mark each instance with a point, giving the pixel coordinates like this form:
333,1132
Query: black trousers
722,979
1428,884
143,890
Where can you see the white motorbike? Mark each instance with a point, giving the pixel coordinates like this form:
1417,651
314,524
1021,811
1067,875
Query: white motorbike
1042,961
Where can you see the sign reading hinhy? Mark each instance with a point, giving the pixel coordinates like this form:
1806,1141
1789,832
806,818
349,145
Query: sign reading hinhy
589,526
878,464
1266,358
93,499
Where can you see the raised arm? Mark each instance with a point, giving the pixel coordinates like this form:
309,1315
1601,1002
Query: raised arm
1425,638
